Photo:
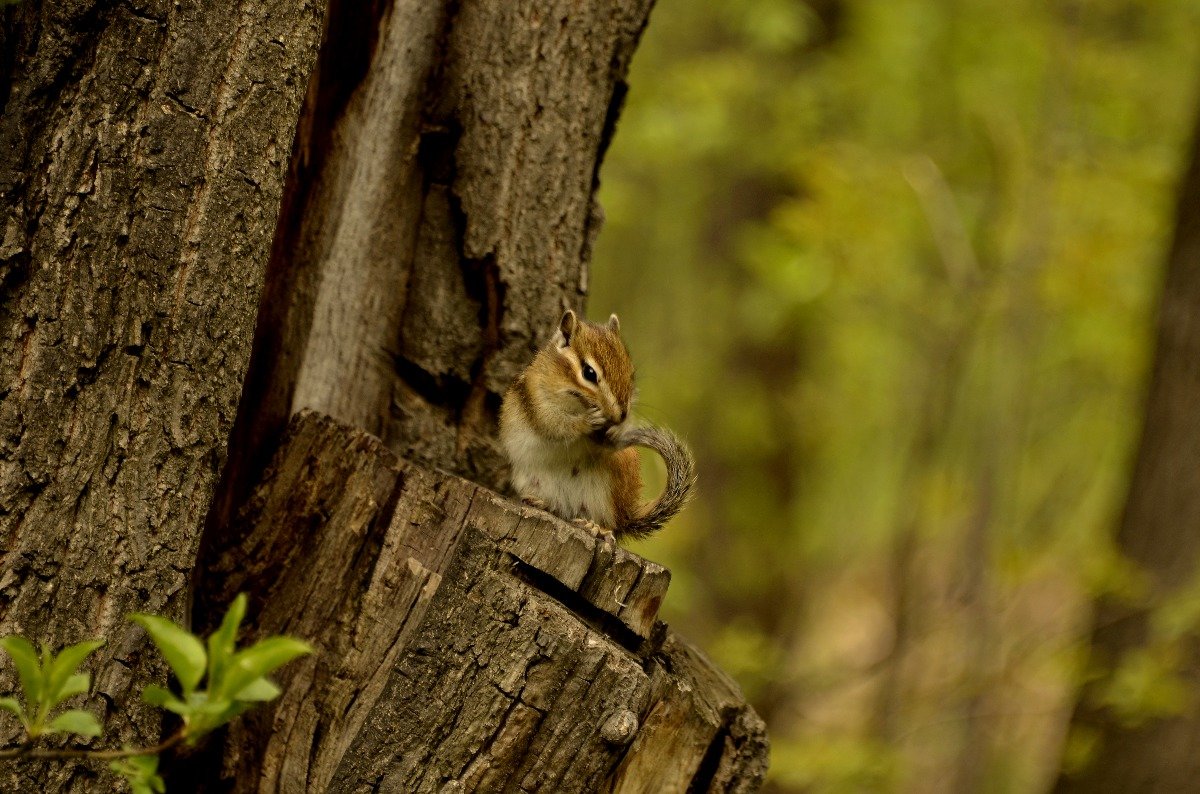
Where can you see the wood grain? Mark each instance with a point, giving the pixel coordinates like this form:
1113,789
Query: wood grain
466,643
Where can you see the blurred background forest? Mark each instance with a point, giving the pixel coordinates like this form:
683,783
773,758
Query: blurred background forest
892,267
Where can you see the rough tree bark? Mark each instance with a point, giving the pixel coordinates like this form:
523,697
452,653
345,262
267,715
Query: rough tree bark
143,148
1158,533
436,212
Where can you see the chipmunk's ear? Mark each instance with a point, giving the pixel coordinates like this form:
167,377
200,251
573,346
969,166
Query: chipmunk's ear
614,324
566,328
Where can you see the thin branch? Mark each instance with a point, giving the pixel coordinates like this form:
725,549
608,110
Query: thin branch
27,751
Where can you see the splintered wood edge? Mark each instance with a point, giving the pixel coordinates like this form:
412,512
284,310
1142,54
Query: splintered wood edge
613,580
602,582
696,728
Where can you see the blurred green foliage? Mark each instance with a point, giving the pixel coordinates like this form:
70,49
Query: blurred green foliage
891,266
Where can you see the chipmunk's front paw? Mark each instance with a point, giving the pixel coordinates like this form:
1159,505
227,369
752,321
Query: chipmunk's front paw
533,501
591,526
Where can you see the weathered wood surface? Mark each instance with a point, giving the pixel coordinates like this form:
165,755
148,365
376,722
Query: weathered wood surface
466,643
143,148
442,215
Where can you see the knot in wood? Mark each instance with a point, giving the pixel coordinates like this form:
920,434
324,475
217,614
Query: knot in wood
620,727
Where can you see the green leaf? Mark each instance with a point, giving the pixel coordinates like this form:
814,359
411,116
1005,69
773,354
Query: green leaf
203,703
182,649
260,659
164,698
260,689
11,704
25,658
222,642
156,695
75,721
141,772
77,684
62,668
218,713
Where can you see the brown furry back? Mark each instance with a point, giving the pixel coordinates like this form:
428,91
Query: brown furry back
681,478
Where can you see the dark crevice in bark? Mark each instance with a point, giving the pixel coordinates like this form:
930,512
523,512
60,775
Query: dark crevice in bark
435,153
140,14
596,618
475,418
8,53
615,106
619,68
197,770
444,390
349,37
474,407
435,100
481,276
369,552
703,779
14,272
90,27
595,216
437,142
438,138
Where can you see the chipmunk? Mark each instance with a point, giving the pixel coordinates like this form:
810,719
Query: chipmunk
564,427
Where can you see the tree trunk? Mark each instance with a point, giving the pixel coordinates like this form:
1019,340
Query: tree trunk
435,216
1158,533
143,149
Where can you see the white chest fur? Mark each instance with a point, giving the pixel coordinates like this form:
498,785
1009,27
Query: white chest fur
569,477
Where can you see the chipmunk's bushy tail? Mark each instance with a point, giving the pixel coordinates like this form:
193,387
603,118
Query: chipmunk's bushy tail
681,478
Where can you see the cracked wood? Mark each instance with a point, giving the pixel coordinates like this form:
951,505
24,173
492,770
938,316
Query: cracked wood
140,179
465,642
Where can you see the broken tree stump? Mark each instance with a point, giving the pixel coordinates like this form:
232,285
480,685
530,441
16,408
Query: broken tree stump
464,642
437,205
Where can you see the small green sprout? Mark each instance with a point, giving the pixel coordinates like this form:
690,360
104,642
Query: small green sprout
233,679
47,681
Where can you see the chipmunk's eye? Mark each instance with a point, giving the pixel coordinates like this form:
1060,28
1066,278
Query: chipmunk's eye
589,374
